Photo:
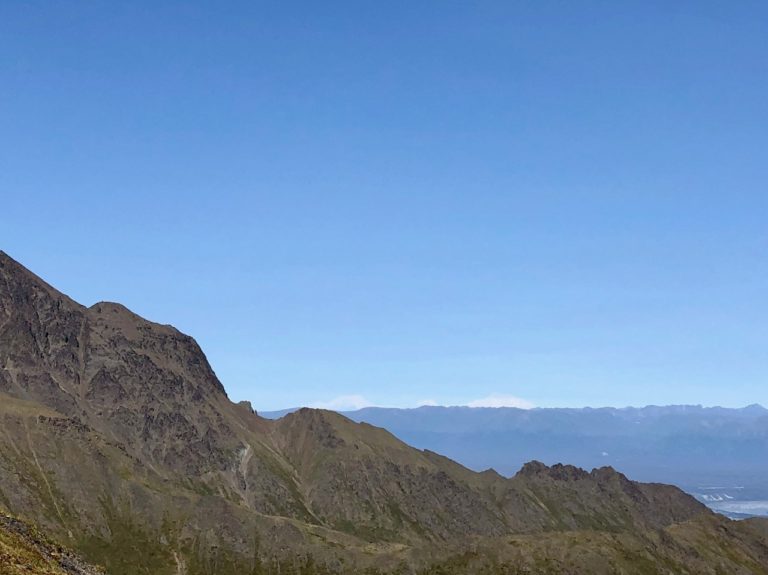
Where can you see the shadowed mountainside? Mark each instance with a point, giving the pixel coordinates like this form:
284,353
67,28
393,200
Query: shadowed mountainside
117,438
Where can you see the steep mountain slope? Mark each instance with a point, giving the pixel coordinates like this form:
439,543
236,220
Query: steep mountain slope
117,438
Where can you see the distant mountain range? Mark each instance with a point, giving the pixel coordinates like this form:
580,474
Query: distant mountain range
118,439
719,454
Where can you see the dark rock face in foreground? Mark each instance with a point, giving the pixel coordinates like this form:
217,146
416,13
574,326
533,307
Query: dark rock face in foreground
117,438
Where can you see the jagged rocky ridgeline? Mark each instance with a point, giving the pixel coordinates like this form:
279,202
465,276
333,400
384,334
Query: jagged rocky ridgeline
118,439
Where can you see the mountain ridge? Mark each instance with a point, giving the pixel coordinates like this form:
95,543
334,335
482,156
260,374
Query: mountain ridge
119,438
694,447
753,408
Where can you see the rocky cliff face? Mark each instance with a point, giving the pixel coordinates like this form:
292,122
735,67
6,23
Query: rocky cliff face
116,436
145,385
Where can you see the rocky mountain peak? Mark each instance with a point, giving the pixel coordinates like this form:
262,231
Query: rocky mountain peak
557,472
17,284
143,383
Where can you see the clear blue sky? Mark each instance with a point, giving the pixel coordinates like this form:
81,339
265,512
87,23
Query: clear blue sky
563,202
